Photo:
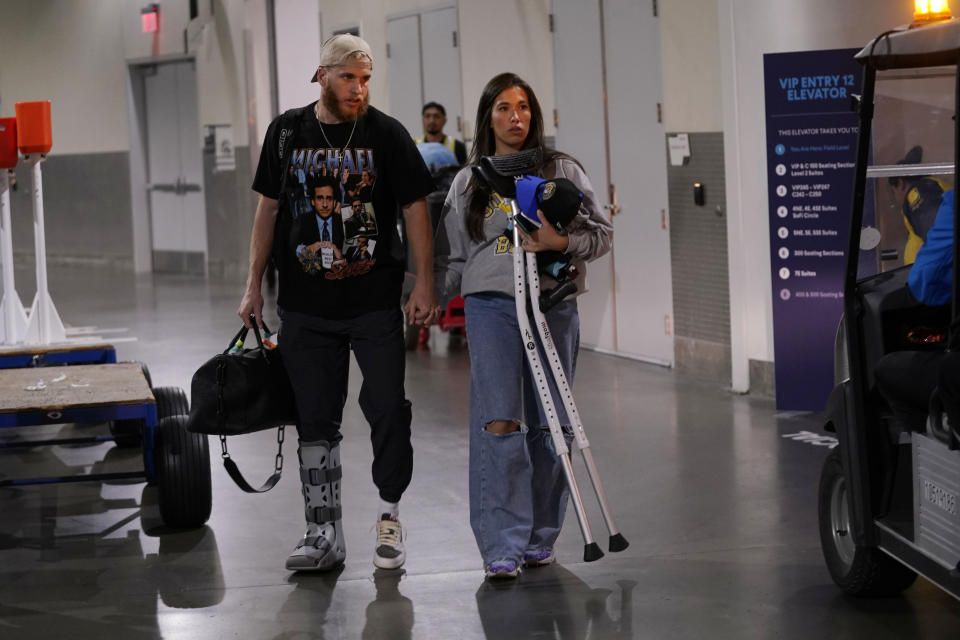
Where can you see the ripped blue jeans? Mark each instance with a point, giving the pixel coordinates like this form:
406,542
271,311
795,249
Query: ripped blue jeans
518,493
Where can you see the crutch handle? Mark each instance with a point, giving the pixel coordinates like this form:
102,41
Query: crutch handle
549,299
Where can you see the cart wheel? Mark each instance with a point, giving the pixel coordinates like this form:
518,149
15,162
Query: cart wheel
129,433
171,401
183,474
858,570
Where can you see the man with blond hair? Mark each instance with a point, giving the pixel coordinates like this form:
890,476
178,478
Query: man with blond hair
327,312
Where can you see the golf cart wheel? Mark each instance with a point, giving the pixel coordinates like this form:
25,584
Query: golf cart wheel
129,433
858,570
183,474
171,401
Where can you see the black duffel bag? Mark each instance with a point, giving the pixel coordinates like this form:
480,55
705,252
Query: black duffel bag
237,393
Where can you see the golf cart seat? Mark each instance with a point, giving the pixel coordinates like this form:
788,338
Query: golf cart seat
893,321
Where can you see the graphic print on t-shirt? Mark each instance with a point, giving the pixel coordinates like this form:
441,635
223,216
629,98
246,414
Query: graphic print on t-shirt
504,243
331,203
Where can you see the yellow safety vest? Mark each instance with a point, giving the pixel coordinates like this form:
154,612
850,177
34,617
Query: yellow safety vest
448,142
914,242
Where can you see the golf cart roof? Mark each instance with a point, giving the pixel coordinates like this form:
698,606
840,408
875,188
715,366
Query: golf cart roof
927,46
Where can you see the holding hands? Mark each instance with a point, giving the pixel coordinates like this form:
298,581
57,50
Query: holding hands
422,310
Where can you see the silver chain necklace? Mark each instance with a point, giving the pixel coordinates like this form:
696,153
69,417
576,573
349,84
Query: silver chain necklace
343,155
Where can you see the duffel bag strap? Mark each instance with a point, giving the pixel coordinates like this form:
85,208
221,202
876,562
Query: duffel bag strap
237,477
242,335
239,338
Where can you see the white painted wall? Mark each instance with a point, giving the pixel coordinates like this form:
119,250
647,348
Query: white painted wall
75,55
70,53
298,50
692,97
258,63
749,29
495,36
506,35
221,73
81,67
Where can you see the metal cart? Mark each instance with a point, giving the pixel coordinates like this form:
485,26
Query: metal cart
175,460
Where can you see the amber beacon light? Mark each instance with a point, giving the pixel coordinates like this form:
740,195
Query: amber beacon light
925,11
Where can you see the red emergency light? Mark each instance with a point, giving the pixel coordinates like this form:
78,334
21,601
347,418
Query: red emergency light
150,18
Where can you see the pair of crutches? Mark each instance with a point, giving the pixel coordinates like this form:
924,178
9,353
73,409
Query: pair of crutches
500,173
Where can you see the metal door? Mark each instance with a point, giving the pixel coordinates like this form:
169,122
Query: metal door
175,168
578,86
405,83
441,66
612,48
638,173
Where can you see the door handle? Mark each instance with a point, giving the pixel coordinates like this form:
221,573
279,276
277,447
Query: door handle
613,207
184,187
180,187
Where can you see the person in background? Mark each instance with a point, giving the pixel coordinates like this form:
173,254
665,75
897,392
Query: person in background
907,378
434,120
918,199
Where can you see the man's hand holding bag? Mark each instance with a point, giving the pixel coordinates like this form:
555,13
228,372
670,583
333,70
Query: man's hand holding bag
241,391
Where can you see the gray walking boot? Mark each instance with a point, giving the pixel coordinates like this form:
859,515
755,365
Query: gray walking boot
322,546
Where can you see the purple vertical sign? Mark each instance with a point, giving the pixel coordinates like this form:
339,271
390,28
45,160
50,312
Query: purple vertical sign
811,152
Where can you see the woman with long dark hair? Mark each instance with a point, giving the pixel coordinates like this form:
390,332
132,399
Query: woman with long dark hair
518,493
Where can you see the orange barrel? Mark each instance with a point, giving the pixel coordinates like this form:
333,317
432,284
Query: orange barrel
8,143
33,127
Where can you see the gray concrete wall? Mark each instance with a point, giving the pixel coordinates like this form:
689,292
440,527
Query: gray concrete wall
86,205
698,251
230,207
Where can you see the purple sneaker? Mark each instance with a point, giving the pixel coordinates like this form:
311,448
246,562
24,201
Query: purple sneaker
503,569
539,557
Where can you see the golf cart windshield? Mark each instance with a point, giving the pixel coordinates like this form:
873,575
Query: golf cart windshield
911,164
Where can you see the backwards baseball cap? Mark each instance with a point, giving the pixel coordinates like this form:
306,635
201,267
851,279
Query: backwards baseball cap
914,156
559,199
339,49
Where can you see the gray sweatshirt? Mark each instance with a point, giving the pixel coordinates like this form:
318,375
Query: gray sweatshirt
463,266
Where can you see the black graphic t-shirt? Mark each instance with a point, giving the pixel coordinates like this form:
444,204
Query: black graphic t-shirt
337,246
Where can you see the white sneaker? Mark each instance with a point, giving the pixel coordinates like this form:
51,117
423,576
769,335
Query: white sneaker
389,553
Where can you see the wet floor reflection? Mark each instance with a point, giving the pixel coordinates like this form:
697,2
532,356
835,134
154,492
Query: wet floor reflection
390,614
305,614
93,559
552,602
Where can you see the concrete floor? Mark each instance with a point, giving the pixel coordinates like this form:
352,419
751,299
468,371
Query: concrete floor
718,504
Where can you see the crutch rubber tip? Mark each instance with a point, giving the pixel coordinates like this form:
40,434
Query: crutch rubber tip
618,542
592,552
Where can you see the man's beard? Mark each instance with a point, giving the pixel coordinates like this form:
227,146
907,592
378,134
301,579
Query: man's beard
332,105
